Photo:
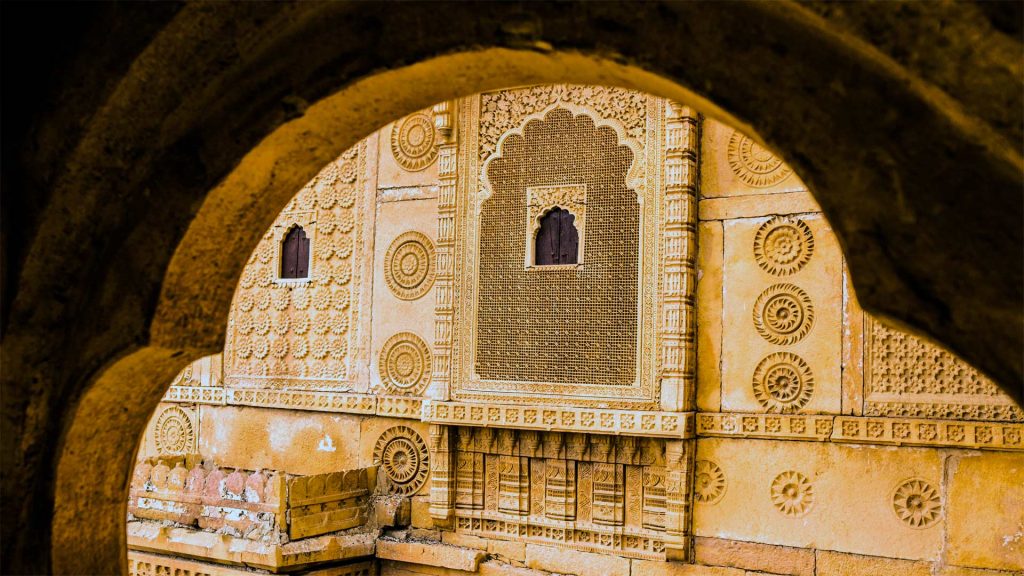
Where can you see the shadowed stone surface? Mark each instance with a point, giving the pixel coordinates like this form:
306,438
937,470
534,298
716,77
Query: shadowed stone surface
150,146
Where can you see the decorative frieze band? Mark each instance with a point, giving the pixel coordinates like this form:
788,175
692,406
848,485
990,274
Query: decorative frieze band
920,432
565,419
195,394
775,426
865,430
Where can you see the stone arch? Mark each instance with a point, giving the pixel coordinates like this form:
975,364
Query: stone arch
842,140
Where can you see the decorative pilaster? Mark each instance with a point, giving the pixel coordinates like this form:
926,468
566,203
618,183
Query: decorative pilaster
444,311
679,320
442,478
679,456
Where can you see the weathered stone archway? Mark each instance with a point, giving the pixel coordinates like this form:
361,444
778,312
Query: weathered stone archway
919,178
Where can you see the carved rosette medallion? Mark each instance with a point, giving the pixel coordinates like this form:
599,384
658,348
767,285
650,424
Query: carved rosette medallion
783,382
783,314
174,432
708,482
792,493
409,266
402,455
916,503
783,245
405,364
753,164
414,142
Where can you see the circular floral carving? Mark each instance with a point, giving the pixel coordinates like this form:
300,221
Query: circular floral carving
300,348
916,503
753,164
341,273
708,482
413,142
300,298
173,432
783,314
783,245
402,455
783,382
409,266
405,364
792,493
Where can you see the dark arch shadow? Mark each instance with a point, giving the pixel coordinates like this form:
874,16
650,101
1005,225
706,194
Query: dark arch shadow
223,111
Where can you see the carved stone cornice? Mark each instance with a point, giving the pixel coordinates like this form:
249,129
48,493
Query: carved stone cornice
676,425
864,430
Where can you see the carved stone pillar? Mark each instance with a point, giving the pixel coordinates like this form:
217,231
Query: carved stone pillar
679,456
442,478
679,320
444,311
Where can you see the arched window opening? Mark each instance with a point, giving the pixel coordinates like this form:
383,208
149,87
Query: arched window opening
295,254
557,240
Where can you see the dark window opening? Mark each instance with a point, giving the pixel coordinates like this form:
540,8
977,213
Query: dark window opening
295,254
557,240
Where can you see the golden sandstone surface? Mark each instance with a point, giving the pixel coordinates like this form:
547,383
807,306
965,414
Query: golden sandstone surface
769,426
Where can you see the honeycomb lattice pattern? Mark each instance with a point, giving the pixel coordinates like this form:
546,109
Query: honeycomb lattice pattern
567,325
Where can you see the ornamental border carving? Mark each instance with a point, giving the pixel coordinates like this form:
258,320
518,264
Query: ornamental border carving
422,280
644,136
863,430
562,418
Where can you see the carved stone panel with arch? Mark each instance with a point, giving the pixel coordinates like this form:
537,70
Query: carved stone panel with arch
591,353
301,333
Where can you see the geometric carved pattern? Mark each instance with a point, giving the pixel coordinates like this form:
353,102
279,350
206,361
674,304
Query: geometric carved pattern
753,164
563,326
908,377
783,314
297,332
783,382
402,454
708,482
500,132
174,432
917,503
405,364
409,266
792,493
783,245
413,142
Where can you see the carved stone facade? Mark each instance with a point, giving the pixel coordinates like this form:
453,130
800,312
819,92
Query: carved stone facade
698,394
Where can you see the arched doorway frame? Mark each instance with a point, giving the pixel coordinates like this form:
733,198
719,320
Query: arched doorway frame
189,319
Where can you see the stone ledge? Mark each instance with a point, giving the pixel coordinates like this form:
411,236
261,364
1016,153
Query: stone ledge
754,556
655,568
575,562
440,555
208,546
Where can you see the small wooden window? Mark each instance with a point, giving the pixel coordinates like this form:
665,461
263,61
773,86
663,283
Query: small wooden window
557,240
295,254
